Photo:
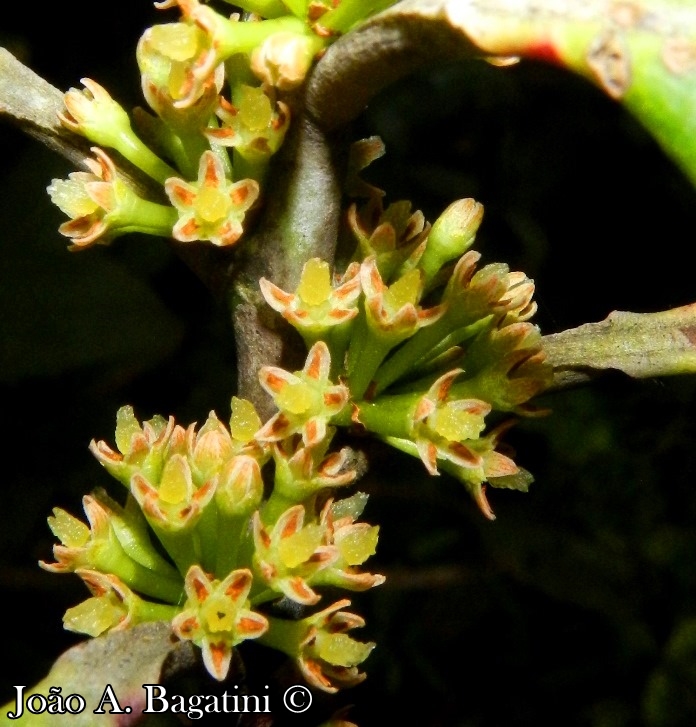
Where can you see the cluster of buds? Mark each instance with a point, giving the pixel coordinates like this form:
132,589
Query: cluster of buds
227,549
412,341
215,85
428,345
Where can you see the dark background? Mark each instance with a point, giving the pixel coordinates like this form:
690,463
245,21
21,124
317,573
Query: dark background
577,606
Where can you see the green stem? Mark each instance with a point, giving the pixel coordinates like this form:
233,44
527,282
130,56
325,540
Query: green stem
249,168
350,12
428,342
113,559
374,351
386,416
135,214
230,533
148,611
207,534
245,37
284,635
182,545
193,144
130,146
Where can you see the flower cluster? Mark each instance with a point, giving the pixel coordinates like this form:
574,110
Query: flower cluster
225,525
430,345
215,86
230,549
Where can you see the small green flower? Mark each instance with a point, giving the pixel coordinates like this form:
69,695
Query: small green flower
95,115
471,301
251,124
167,54
301,472
97,547
451,236
196,47
217,617
355,543
294,555
506,367
283,59
393,312
443,427
319,304
112,607
327,657
486,465
141,449
212,208
393,235
102,206
174,503
239,486
306,399
290,554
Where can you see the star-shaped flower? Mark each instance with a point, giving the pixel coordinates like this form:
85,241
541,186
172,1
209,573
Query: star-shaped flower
288,555
393,312
355,543
108,545
251,124
319,303
303,471
442,427
392,235
102,206
112,607
217,616
306,399
174,503
295,554
94,114
326,656
140,448
212,208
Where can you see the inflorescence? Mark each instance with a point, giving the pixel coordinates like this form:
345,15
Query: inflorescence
410,341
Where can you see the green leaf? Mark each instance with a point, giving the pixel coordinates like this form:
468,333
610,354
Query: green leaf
124,660
639,344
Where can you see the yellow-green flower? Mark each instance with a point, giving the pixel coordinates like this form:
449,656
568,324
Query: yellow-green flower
319,303
326,656
212,208
95,115
217,616
102,206
98,546
392,235
112,607
443,426
283,59
251,124
295,555
306,399
289,554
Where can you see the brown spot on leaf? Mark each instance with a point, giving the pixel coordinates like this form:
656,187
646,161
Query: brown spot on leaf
679,55
690,333
626,14
609,61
